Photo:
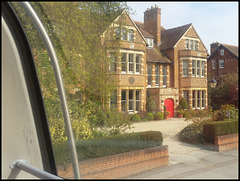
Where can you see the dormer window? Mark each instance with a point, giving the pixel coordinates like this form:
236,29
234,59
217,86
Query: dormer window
149,42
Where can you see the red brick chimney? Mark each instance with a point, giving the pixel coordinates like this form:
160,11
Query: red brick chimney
152,22
214,46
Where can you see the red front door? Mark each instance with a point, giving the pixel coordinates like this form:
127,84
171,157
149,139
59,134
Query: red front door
170,106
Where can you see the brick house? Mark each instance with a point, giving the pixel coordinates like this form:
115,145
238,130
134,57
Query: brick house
173,64
223,60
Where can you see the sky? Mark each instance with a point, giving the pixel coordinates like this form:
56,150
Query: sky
213,21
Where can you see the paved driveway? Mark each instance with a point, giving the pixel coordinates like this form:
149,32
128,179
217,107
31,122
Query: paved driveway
187,161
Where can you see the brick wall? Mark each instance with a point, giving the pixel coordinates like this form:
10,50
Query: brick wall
230,64
119,165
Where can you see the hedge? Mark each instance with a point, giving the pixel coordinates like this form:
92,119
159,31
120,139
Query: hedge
159,116
149,116
219,128
93,148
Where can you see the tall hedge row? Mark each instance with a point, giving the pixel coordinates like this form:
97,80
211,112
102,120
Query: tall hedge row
219,128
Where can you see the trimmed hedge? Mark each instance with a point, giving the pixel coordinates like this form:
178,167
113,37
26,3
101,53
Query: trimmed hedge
135,118
219,128
149,116
94,148
159,116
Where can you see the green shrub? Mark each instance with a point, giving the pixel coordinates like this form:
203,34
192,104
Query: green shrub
190,134
151,136
99,147
135,118
220,115
150,105
183,104
149,116
159,116
219,128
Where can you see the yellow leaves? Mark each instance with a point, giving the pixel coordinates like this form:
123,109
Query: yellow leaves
81,129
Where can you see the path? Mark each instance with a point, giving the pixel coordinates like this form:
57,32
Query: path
170,129
187,161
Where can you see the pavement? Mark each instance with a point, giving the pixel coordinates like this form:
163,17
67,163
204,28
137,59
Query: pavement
187,161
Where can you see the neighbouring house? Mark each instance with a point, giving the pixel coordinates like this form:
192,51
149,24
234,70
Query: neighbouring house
151,61
223,60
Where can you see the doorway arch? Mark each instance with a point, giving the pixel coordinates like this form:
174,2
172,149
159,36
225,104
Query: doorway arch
169,103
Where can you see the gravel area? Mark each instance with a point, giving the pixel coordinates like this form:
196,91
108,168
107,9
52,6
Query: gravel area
170,129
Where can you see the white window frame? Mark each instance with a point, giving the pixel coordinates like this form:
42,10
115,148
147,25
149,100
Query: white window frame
186,95
130,35
149,42
193,68
137,101
203,69
130,63
187,44
113,64
124,101
157,75
194,99
191,45
221,64
213,64
203,99
198,68
138,63
185,69
131,101
149,74
195,46
222,52
198,99
164,75
124,34
124,63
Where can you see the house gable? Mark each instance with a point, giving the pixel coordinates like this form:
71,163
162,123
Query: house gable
191,34
124,20
233,50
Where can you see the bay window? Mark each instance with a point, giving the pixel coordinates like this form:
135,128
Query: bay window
138,63
164,75
149,72
157,76
185,68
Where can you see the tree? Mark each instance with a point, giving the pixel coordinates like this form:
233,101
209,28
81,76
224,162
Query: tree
225,93
183,103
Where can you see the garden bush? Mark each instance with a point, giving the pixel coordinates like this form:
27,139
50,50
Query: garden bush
219,128
99,147
135,118
149,116
159,116
150,105
183,104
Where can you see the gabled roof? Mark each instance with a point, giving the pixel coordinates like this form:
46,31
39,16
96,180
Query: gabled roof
231,48
155,56
170,37
120,14
141,28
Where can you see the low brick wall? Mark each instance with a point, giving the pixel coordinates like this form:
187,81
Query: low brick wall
224,143
119,165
